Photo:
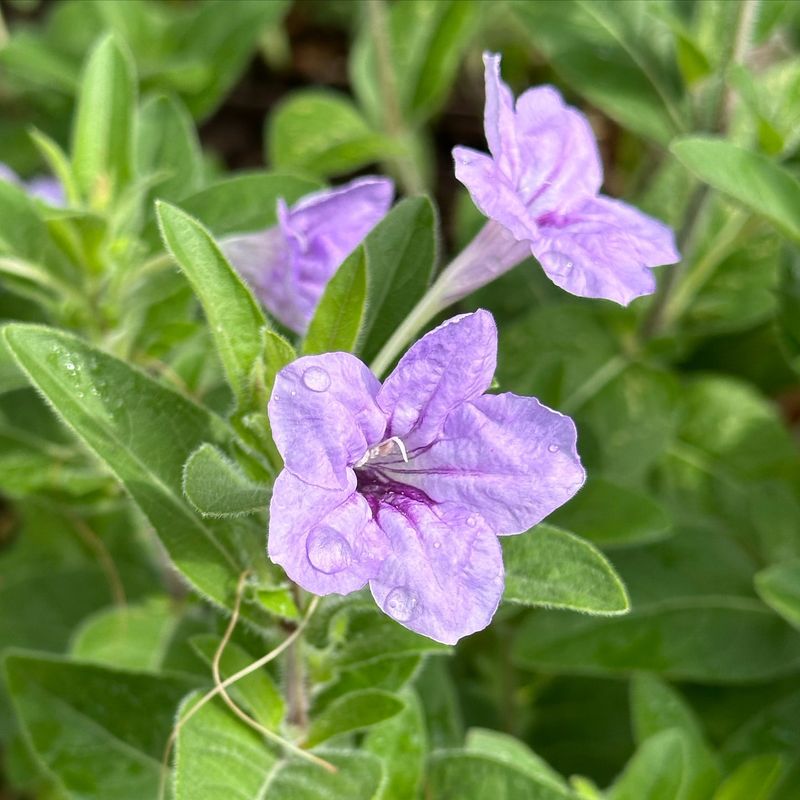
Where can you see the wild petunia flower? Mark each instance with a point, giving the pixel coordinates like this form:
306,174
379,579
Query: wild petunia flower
44,188
407,485
540,189
289,265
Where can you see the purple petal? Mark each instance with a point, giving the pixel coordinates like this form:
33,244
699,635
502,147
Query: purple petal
7,174
604,249
324,417
48,190
289,266
560,165
263,260
507,457
323,229
448,366
493,193
325,539
498,118
444,575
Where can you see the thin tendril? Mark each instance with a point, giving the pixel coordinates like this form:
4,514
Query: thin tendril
220,686
292,748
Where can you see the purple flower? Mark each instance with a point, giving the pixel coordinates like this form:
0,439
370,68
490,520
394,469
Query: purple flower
407,485
44,188
289,266
541,186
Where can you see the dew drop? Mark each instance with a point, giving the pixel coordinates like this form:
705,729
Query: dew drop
316,379
293,392
401,603
557,263
328,551
471,522
437,545
553,448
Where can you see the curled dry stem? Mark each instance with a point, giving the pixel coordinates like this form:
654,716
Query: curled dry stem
221,686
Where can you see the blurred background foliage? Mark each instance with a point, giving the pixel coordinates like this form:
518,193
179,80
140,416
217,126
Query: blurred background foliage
687,403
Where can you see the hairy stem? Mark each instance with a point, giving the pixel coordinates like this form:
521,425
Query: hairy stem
297,713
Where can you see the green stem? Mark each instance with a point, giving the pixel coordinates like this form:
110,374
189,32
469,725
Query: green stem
704,268
425,310
408,172
654,319
736,50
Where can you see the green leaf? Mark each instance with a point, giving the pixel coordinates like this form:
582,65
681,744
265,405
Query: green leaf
553,568
656,770
257,691
122,414
426,40
788,320
54,581
22,230
241,204
217,487
221,37
515,753
754,779
401,256
59,164
100,732
322,133
456,774
657,707
337,320
358,775
127,637
352,712
166,141
440,703
709,640
641,88
368,636
400,743
749,178
102,139
779,587
218,757
235,318
610,515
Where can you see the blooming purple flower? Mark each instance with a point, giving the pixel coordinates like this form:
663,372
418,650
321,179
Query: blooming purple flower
541,187
407,485
288,266
44,188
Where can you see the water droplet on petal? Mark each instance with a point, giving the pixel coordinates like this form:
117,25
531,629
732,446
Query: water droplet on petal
328,551
553,448
471,521
557,263
437,545
401,603
316,379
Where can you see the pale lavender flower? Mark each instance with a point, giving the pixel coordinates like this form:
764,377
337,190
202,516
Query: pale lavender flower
407,485
540,189
44,188
288,266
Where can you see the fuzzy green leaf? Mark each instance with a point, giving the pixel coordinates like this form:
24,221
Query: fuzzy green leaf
217,487
553,568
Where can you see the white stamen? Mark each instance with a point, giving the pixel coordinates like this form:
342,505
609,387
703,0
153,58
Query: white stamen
383,449
400,446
